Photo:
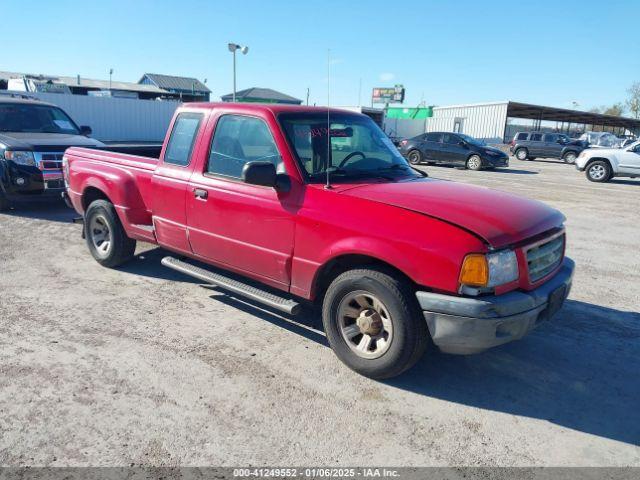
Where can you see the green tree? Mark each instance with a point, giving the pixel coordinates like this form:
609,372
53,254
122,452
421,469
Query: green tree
617,109
633,102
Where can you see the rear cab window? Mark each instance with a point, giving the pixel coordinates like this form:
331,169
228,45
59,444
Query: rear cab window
182,139
237,140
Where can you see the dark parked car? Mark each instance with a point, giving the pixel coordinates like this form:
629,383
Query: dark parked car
33,138
530,145
453,149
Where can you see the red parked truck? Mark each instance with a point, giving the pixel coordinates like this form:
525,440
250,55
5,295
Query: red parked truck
294,204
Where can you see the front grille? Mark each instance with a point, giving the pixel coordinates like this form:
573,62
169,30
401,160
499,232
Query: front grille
544,257
49,160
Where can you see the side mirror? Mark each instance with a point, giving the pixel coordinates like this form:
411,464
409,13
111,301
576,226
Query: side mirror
260,173
85,130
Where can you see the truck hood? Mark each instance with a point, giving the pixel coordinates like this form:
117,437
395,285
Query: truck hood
45,141
497,217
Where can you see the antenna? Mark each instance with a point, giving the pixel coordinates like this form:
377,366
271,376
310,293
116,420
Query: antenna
328,185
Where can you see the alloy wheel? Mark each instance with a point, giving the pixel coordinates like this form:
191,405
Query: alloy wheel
365,324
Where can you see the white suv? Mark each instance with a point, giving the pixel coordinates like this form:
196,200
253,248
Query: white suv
602,164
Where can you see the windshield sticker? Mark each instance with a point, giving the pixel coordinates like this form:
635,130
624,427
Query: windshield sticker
63,124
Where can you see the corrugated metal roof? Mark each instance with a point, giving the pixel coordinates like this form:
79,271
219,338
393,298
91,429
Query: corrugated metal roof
181,84
262,94
87,82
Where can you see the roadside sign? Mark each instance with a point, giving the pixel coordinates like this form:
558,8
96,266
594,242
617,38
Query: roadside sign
388,95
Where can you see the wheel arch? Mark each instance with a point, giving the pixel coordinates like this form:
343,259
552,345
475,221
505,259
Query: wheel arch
339,264
92,193
602,159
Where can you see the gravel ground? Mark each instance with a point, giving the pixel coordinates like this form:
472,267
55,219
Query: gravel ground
142,366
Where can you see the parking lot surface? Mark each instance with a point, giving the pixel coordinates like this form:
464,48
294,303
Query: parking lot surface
142,366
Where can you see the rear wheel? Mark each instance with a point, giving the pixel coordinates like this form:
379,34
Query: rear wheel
570,158
373,322
599,171
106,239
415,157
522,154
474,162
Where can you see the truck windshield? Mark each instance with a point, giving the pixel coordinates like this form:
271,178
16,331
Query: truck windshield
357,147
35,119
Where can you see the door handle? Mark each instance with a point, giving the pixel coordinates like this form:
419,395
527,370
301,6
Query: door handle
200,193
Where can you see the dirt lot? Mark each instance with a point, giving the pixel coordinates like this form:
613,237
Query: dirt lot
142,366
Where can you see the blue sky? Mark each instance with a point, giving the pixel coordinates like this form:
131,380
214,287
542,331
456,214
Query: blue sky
544,52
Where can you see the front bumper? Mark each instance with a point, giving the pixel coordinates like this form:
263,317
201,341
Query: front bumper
496,161
22,182
465,325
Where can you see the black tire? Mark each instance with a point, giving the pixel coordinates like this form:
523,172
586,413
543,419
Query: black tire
570,157
4,203
474,162
410,333
101,217
522,154
415,157
599,171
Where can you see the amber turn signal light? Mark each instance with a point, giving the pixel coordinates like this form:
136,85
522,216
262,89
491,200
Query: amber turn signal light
475,271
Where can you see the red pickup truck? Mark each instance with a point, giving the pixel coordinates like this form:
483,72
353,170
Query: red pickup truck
297,204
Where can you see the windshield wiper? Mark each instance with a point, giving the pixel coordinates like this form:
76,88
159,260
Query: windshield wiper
400,166
341,172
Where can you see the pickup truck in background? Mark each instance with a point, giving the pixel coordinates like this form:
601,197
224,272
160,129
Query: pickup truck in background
602,164
33,137
284,211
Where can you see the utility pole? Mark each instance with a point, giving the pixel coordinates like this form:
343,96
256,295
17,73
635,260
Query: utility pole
307,96
232,48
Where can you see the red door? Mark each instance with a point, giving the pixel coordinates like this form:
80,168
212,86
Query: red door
247,228
170,181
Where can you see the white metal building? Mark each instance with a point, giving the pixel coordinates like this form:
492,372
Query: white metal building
497,122
485,121
115,119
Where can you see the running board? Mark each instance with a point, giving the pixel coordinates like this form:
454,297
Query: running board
254,293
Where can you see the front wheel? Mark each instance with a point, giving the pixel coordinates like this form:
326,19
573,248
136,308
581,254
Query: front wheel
106,239
570,158
522,154
415,157
599,171
474,163
373,323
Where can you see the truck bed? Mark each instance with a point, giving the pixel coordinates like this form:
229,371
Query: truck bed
115,157
131,173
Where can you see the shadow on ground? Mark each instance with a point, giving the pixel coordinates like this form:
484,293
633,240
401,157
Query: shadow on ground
579,371
54,211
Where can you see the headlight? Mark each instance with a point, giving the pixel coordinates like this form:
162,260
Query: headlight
20,157
489,270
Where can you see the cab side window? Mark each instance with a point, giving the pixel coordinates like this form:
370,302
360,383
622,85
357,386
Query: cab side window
182,139
433,137
536,137
237,140
450,139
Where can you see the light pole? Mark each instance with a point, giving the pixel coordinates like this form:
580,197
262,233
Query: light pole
110,73
232,48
